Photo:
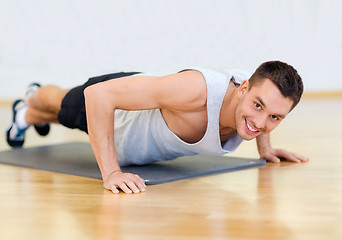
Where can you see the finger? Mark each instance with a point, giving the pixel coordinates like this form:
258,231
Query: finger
141,181
271,158
124,188
288,156
133,187
274,159
291,158
141,187
301,157
296,158
138,183
114,190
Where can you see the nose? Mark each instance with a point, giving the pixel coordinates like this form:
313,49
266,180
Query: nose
260,122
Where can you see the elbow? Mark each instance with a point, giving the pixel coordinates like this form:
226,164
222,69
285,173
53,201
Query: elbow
96,96
92,97
91,93
88,91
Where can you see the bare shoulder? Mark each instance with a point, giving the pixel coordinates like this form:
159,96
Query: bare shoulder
183,91
191,74
186,89
185,78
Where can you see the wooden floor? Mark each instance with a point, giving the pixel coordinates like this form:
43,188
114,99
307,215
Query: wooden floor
279,201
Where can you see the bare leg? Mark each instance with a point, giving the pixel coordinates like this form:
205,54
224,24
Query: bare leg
34,116
44,105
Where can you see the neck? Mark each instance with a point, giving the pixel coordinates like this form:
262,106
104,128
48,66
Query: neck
229,105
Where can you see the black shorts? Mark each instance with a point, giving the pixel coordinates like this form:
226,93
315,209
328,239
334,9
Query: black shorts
73,112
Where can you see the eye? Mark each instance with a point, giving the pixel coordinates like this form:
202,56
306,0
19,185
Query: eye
257,105
274,117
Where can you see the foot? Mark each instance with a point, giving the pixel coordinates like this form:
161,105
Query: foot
44,128
15,135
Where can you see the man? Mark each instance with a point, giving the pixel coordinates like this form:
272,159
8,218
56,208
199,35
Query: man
195,111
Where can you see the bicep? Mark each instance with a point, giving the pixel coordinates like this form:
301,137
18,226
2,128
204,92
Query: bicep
178,91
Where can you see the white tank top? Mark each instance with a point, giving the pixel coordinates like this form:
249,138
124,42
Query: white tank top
143,137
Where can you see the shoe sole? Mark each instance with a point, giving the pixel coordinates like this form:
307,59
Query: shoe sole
14,143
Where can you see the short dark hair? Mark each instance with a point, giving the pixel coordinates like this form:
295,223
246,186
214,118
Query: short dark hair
283,75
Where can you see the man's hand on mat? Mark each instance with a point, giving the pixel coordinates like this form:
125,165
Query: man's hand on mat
276,155
127,182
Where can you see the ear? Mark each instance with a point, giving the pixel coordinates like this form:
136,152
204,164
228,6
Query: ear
243,88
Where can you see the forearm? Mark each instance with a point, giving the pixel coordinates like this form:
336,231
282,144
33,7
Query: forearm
263,141
100,121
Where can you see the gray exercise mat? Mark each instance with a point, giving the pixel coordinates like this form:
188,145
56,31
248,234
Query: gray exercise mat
78,159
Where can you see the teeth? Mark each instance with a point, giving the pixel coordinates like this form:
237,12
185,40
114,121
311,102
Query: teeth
251,128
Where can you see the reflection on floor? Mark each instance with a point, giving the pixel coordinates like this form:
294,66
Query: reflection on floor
279,201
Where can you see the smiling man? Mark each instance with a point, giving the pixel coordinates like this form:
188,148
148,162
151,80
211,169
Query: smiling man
133,118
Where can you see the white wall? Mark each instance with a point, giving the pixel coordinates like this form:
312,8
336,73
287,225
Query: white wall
66,41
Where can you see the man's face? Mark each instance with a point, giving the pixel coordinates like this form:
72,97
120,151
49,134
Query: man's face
260,109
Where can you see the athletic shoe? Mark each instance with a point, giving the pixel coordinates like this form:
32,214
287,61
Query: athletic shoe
15,135
31,89
42,129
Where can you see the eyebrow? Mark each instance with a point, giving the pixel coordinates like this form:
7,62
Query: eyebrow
263,104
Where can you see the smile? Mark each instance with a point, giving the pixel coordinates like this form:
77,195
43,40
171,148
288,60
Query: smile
250,129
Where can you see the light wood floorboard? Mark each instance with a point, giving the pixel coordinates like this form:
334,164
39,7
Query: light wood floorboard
279,201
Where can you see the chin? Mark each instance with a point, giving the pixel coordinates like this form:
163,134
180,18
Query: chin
247,138
243,133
